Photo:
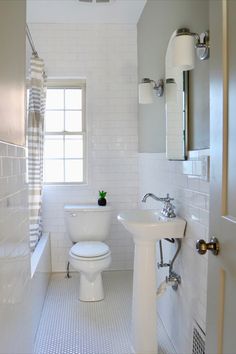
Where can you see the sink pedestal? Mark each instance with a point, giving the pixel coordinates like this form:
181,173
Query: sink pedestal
144,312
147,227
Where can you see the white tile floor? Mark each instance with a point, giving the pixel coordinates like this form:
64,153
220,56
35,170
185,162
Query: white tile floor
69,326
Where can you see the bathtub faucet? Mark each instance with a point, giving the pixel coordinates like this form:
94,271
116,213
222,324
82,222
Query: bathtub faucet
168,207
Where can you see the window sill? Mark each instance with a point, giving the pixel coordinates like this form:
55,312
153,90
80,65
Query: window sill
65,185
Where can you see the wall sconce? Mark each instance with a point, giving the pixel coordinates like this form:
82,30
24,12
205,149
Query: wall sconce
183,48
146,88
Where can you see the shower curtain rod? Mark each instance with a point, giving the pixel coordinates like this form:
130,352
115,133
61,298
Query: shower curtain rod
31,42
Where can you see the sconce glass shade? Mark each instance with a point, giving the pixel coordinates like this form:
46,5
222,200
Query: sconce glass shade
145,93
184,52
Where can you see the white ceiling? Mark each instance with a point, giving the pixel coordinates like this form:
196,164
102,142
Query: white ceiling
73,11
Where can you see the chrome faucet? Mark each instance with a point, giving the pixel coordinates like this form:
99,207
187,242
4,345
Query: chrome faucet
168,207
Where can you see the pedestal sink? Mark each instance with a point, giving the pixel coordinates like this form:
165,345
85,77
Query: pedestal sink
147,226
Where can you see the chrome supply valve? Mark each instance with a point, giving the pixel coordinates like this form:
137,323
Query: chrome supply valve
162,265
168,208
174,280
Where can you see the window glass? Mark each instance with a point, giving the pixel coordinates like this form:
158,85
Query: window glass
73,170
53,147
73,99
54,121
74,146
55,99
73,121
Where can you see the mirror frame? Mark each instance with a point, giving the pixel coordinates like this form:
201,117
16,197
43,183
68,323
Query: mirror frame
185,112
177,109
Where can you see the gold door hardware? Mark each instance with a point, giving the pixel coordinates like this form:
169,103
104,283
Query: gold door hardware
213,246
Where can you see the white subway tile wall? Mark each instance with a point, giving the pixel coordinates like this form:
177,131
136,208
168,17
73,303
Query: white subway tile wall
106,56
188,183
14,243
14,251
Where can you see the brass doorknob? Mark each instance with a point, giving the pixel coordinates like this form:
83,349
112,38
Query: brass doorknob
213,246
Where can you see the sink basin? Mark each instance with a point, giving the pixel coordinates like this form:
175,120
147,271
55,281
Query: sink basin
151,225
147,226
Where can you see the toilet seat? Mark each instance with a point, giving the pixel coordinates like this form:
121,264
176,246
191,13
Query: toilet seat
90,250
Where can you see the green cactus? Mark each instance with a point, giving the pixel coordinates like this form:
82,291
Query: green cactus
102,194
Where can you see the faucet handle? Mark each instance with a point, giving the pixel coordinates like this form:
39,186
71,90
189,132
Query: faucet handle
168,209
168,199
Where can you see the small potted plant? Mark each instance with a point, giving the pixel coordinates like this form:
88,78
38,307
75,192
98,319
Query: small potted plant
102,200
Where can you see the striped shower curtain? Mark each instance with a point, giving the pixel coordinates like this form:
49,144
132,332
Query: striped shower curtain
35,139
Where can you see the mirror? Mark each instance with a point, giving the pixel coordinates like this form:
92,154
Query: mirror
176,107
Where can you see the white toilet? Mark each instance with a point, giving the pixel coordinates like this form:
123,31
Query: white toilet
87,226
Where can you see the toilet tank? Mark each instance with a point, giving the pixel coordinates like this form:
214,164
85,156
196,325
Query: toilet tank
88,222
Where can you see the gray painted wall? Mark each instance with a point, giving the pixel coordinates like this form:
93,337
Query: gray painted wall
158,21
12,71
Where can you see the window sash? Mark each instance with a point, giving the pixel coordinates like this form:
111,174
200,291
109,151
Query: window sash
65,85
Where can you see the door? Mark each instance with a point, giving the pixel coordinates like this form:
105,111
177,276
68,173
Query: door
221,303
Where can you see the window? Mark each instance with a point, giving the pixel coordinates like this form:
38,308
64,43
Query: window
65,138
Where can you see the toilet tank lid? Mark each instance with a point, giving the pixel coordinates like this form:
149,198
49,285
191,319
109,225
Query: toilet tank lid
86,207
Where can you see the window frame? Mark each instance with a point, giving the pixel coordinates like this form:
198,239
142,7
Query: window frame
71,84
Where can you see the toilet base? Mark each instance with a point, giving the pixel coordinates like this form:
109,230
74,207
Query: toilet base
90,269
91,290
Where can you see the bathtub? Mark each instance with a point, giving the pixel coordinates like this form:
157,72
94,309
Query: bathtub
21,303
40,275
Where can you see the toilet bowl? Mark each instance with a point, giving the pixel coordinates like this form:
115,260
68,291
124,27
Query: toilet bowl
88,226
90,259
